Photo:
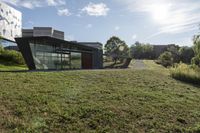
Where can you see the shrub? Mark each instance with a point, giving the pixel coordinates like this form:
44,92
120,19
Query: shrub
10,57
165,59
186,73
196,61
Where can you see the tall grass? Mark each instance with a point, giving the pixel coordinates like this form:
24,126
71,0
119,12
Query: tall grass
186,73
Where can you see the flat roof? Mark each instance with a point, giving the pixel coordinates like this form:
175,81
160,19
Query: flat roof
72,43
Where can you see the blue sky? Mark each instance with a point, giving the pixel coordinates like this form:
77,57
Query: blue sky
148,21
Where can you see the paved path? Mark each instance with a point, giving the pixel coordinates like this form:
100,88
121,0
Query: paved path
138,64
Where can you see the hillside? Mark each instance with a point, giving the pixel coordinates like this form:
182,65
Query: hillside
131,100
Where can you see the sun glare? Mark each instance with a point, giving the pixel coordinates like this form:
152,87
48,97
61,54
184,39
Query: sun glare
160,13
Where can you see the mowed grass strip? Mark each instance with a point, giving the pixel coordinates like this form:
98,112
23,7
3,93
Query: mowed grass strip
12,68
97,101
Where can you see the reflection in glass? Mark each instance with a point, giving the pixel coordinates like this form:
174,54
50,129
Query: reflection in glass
51,57
76,60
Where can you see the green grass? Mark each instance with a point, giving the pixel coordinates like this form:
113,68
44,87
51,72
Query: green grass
153,66
12,68
97,101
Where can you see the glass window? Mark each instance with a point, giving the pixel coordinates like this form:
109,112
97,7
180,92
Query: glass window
76,60
47,57
65,61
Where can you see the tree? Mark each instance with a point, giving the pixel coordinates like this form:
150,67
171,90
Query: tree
166,59
116,48
136,50
141,51
186,54
174,50
148,51
196,48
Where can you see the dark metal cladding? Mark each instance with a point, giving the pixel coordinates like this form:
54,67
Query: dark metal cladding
24,47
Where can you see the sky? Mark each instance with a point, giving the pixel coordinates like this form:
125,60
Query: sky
146,21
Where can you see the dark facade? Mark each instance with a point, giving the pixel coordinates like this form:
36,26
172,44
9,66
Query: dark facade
48,53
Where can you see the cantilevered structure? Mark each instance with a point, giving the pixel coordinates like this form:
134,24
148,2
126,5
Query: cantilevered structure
49,53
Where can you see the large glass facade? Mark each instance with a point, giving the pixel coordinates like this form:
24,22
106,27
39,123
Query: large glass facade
46,57
54,57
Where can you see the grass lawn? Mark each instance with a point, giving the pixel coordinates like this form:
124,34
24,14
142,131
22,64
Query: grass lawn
12,68
98,101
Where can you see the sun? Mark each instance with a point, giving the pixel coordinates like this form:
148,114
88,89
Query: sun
160,12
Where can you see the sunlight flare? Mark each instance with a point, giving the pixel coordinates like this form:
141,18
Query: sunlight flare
160,12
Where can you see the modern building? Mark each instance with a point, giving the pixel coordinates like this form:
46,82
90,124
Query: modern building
10,24
45,49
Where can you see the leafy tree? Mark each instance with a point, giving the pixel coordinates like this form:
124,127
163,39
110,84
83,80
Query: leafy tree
116,48
196,48
141,51
186,54
166,59
136,50
174,50
148,51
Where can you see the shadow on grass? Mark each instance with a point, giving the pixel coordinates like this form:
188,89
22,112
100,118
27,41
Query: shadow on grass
186,81
120,65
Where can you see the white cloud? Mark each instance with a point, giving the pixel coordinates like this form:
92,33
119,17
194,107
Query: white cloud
171,16
134,37
31,4
55,2
64,12
92,9
88,26
117,28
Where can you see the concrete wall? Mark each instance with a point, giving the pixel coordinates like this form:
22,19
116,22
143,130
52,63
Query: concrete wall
10,22
59,34
43,31
27,33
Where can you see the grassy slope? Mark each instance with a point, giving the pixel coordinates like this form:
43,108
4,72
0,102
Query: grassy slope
88,101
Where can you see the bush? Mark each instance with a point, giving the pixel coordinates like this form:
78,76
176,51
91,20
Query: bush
186,73
165,59
196,61
10,57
